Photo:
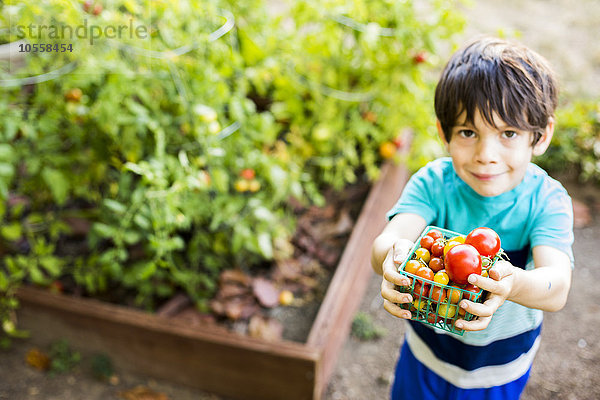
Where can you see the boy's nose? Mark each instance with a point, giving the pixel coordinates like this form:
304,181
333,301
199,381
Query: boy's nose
487,151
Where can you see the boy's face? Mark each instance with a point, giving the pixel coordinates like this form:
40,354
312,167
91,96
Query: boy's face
492,160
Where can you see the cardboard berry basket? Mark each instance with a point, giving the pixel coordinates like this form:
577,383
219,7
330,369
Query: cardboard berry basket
435,303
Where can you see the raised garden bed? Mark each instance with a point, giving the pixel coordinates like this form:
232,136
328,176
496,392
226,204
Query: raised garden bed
211,358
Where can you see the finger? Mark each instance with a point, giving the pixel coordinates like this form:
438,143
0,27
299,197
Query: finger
500,270
396,310
487,309
395,296
488,284
401,250
390,274
476,324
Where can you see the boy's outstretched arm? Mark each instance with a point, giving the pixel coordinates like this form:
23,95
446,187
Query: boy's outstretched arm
545,288
400,228
394,244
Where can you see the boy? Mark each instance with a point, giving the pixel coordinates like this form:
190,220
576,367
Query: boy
495,105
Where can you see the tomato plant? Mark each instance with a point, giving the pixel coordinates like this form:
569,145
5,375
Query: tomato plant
183,151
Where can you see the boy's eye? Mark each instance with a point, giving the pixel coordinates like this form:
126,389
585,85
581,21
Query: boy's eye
467,133
510,134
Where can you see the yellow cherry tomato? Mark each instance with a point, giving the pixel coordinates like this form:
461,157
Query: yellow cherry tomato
441,277
420,304
446,310
459,239
387,150
450,245
423,254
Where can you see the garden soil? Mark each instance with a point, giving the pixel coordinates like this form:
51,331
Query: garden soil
567,33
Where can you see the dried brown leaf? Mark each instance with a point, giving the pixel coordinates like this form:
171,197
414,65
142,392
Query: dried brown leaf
37,359
265,328
235,276
142,393
266,293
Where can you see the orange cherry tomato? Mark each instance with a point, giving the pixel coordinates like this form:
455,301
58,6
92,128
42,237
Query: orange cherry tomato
437,294
454,294
412,266
425,273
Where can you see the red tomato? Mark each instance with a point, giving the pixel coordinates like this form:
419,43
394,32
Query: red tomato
436,264
426,242
435,234
437,294
473,289
437,248
485,240
432,318
461,261
420,291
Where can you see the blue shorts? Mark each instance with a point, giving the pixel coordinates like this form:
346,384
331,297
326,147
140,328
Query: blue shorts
414,380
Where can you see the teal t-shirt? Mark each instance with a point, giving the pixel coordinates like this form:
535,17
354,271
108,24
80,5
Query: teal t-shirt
538,211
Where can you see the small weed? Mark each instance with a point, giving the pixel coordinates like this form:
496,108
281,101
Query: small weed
363,327
63,358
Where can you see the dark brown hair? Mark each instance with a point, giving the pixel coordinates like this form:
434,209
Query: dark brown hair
493,75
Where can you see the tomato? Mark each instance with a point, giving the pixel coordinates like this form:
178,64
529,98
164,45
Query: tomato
454,294
459,239
437,248
412,266
432,318
441,277
248,173
425,273
450,245
426,242
472,288
436,264
437,294
420,290
435,234
485,240
461,261
423,254
446,310
419,304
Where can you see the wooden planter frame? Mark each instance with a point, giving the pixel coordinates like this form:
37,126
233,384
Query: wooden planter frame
210,358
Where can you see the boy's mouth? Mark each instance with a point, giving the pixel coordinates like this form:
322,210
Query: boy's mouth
485,177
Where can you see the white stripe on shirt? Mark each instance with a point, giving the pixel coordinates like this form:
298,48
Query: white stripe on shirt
483,377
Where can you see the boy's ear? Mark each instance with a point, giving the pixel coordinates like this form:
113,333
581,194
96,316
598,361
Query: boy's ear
542,145
441,133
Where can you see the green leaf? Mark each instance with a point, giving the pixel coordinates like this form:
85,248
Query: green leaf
264,244
58,184
11,231
115,206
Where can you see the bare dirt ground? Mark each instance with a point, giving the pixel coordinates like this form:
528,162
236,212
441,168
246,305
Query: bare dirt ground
566,32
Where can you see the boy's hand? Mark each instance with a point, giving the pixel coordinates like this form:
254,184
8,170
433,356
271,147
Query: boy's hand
391,278
499,285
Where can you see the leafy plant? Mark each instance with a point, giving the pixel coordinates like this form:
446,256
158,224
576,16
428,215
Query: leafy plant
146,163
62,357
363,327
575,145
